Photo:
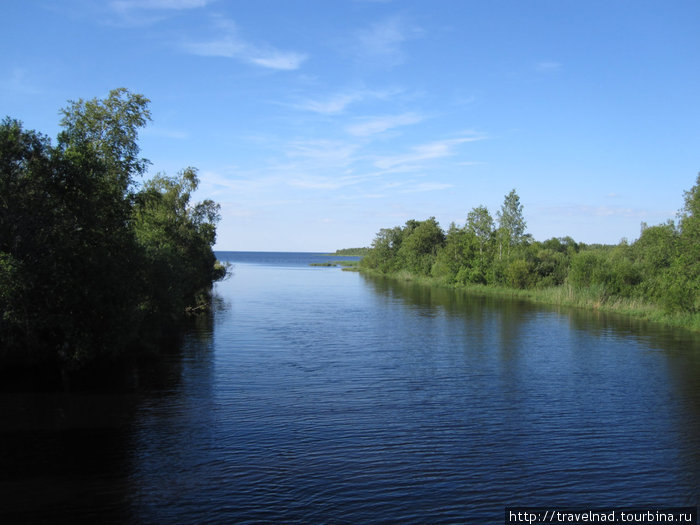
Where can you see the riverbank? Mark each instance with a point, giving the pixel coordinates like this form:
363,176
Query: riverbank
349,266
592,298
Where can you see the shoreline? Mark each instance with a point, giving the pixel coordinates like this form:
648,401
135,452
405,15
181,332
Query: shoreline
564,295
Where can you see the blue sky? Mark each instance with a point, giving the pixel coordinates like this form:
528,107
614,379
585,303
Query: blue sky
315,123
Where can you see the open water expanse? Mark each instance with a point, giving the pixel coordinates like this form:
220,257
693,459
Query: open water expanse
313,395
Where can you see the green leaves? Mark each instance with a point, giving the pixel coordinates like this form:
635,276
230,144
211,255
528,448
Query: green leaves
108,129
662,267
87,267
177,239
511,223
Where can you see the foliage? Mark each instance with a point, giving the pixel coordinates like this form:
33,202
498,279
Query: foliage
385,247
480,223
420,245
511,223
87,265
661,268
108,130
683,293
176,240
357,252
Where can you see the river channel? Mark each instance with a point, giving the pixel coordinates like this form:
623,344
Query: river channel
315,395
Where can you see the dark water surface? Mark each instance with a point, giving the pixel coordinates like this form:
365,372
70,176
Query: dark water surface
313,395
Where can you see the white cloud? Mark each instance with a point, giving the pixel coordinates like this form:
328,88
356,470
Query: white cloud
383,40
471,163
236,182
273,59
596,211
339,102
373,125
127,5
228,47
428,186
432,150
231,45
322,153
321,183
335,104
547,66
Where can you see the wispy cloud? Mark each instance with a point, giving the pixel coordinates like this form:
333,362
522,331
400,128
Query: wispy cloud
332,105
321,182
547,66
135,13
428,186
383,40
373,125
322,153
432,150
231,45
339,102
596,211
127,5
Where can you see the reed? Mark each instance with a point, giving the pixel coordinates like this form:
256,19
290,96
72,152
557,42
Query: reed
592,298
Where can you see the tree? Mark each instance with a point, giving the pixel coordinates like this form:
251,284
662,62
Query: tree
683,282
480,222
66,245
109,128
176,238
420,245
86,264
382,256
511,222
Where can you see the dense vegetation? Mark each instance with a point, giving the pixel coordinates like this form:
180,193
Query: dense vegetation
355,252
657,276
91,264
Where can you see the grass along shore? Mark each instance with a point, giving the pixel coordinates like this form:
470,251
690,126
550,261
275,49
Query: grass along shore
592,298
350,266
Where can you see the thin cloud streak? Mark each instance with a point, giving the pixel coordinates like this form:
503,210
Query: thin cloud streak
547,66
231,45
428,186
382,41
374,125
335,104
596,211
323,153
323,183
432,150
339,102
127,5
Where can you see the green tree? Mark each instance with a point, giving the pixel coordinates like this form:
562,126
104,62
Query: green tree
67,246
383,254
683,279
85,263
456,260
109,130
420,245
549,261
177,239
480,223
511,223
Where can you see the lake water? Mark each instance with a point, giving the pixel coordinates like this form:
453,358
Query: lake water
314,395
